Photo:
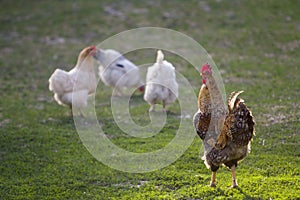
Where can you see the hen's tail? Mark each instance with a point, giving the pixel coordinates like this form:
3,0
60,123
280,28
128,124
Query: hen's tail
160,57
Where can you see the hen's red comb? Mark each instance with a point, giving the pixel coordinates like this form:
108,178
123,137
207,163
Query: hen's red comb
205,67
92,47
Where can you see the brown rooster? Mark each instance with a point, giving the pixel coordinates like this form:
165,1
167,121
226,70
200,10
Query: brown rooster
226,133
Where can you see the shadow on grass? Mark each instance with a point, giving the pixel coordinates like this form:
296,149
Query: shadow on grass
60,120
232,191
246,196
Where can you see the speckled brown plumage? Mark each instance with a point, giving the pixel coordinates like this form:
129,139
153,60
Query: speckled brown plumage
239,124
233,143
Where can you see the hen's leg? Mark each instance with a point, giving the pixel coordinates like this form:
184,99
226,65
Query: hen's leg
117,92
164,107
71,110
213,179
152,108
81,114
233,174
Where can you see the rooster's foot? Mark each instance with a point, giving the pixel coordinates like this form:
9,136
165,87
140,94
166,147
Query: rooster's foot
212,184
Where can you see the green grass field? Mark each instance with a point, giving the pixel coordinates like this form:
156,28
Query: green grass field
255,44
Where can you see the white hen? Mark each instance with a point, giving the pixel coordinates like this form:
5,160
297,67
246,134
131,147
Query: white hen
72,88
161,85
117,71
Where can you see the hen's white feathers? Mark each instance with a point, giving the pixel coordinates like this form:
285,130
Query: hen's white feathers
72,88
61,82
160,57
117,71
161,85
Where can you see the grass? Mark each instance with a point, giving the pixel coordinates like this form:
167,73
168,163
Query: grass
254,43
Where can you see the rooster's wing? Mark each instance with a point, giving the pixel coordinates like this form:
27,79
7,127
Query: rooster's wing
201,123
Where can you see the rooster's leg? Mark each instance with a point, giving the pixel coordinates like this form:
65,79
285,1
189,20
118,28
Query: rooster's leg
233,174
213,179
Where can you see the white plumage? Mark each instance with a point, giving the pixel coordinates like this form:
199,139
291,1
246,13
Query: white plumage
161,85
72,88
117,71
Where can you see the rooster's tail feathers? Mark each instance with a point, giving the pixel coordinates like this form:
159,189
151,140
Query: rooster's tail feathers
232,100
